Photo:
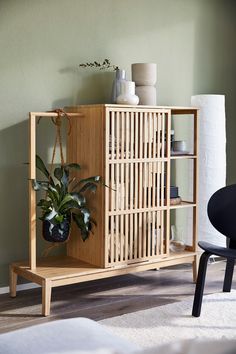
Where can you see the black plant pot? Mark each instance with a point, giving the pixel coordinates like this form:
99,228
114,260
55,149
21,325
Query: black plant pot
53,232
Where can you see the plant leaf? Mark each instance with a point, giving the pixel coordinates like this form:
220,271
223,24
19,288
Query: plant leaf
59,218
76,166
41,166
40,185
79,198
65,180
66,199
91,179
94,179
67,207
86,215
58,173
80,224
44,203
89,186
51,215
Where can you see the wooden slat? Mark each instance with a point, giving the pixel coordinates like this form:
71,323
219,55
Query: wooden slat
118,188
168,176
195,184
150,181
159,124
131,245
107,190
136,183
120,161
113,186
127,183
158,239
53,114
32,193
161,220
145,183
122,183
153,234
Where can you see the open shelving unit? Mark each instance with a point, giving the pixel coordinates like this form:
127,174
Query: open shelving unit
129,146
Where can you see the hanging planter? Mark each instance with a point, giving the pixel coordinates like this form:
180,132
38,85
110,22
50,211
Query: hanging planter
57,232
66,198
65,201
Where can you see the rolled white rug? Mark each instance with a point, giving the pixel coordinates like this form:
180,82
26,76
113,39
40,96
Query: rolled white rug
212,159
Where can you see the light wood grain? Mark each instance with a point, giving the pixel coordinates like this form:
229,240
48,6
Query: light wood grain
46,297
90,154
129,146
13,281
31,191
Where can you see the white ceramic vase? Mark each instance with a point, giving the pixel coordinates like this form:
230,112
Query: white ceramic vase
144,74
127,95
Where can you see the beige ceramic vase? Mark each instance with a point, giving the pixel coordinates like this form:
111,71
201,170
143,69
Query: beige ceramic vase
145,76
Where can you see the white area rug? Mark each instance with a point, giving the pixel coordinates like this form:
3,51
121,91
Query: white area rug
173,322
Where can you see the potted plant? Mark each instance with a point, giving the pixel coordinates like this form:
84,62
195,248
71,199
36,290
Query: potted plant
65,201
106,65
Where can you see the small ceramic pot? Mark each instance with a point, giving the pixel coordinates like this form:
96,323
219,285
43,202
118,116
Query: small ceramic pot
127,95
56,232
179,145
147,95
144,74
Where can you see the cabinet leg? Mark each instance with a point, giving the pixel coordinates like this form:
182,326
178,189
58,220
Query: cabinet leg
195,268
13,282
46,297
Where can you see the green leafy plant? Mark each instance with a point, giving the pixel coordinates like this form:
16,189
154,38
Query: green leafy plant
65,197
106,64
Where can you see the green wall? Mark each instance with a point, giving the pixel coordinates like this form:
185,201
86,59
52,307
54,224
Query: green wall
42,41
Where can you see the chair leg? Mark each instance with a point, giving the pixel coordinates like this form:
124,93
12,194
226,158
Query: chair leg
229,271
197,303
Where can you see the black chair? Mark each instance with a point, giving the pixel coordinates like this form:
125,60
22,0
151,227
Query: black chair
222,214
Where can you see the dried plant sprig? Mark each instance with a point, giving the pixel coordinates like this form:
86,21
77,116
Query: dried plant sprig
106,64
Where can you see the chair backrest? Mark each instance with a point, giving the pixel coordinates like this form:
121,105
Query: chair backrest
221,211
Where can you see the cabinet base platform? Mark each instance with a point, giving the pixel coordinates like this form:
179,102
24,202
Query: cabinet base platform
57,271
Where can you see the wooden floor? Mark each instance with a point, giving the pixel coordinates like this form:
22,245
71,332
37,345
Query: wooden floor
108,297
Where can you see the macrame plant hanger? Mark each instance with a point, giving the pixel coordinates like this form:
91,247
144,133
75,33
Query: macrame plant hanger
57,121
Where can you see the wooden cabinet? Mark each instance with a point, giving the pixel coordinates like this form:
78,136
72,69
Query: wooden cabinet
129,146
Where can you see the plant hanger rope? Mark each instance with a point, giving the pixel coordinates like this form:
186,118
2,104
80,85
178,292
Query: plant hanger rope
57,121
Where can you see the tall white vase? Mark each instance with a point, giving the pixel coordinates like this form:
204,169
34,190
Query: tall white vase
212,159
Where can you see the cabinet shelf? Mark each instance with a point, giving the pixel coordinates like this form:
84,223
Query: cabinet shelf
183,204
179,157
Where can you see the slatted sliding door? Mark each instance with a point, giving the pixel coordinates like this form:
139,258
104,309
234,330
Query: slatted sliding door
138,173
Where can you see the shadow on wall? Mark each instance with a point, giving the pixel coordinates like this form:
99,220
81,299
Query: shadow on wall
14,192
95,87
14,196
